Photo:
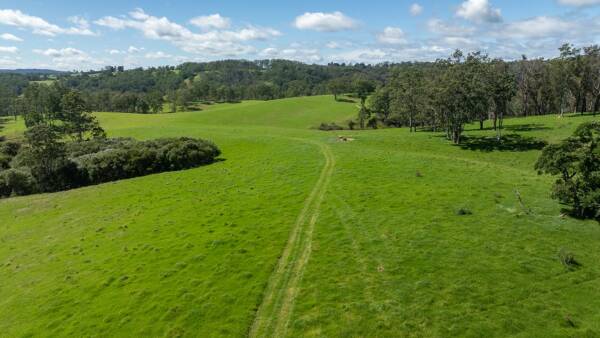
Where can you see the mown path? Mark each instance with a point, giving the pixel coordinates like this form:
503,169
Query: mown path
274,312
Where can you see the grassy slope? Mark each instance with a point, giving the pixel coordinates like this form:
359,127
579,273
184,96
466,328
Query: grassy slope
191,252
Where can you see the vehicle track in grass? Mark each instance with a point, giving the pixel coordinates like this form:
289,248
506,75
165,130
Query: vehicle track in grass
273,314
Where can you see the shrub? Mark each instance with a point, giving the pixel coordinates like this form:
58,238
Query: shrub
4,161
96,161
330,126
463,212
576,162
110,160
16,182
567,259
10,148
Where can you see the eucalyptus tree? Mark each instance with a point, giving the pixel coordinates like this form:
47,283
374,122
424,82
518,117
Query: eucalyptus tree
502,88
408,95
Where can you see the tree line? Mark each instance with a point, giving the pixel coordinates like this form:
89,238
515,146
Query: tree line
64,147
450,93
568,82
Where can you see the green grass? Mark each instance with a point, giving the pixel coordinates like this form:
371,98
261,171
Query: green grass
367,246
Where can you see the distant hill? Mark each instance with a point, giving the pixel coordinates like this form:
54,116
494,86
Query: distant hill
33,71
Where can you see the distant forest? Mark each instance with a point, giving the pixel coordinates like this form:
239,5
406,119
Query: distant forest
569,82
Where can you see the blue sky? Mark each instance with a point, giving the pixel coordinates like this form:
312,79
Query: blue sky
85,35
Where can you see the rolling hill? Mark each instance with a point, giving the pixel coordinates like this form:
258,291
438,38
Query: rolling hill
296,233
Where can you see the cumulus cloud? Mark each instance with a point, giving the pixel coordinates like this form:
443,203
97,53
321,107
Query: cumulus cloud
416,9
11,49
69,58
216,42
133,49
8,62
392,36
10,37
325,22
538,27
40,26
479,11
294,52
211,21
441,27
579,3
362,55
158,55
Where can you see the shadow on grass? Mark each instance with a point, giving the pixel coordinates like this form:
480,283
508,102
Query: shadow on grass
506,143
581,115
341,99
3,121
526,127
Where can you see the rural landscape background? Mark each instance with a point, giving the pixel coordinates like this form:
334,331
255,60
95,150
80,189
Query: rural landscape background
411,169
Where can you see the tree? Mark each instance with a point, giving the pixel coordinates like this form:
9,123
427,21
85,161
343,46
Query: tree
409,95
502,88
592,54
363,89
379,103
576,162
46,158
336,86
155,102
76,118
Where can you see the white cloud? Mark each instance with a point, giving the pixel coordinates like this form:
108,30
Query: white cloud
538,27
11,49
133,49
579,3
211,21
215,42
8,62
10,37
158,55
325,22
479,11
333,45
38,25
443,28
70,58
362,55
115,52
459,42
416,9
292,53
65,52
392,36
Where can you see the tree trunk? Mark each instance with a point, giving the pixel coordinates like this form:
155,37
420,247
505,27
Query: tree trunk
481,124
597,105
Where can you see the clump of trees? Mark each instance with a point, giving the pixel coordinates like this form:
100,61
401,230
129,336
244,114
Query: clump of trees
448,94
65,147
576,162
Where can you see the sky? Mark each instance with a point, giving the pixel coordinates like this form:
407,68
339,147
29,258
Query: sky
84,35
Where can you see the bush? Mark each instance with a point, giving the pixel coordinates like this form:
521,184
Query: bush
330,126
126,158
103,160
16,182
463,212
576,162
10,148
568,260
4,161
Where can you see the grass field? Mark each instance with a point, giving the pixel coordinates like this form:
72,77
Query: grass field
298,234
